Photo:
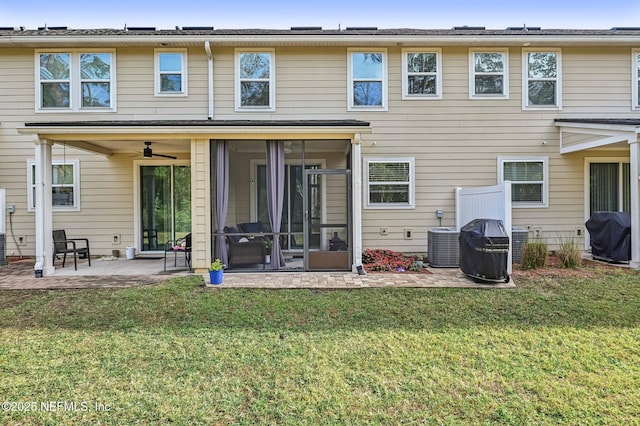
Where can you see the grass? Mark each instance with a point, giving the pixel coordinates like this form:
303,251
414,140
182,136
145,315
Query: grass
552,351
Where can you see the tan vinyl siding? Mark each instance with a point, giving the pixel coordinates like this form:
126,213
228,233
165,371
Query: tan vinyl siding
455,141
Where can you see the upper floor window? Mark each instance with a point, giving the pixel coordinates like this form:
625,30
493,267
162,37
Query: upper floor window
635,80
367,88
529,180
255,80
421,74
65,185
389,182
171,72
542,79
75,81
488,73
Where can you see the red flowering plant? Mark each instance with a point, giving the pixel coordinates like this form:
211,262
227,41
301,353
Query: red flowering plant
388,260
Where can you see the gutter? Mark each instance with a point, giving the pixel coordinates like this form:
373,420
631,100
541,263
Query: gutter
207,48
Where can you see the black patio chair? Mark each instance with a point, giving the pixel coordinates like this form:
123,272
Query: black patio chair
181,245
63,245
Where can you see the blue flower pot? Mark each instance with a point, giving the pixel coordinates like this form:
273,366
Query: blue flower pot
215,277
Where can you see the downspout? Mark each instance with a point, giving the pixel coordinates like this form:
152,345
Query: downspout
356,176
207,48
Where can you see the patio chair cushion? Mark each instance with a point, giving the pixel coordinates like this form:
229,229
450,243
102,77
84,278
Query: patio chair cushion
232,230
250,227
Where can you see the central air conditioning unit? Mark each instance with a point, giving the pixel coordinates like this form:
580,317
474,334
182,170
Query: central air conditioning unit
519,236
3,221
443,247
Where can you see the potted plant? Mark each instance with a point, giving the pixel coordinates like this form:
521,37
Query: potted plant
215,272
268,244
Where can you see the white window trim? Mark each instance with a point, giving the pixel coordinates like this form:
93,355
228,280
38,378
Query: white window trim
525,81
183,73
545,182
385,83
472,74
75,90
272,82
405,76
635,105
412,183
76,185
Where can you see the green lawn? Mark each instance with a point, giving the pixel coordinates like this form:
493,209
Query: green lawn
552,351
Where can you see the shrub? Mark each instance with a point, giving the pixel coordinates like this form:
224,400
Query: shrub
534,255
388,260
569,254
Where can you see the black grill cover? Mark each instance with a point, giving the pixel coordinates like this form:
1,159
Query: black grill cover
610,236
484,249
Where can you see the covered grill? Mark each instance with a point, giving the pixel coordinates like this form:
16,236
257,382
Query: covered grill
484,250
610,234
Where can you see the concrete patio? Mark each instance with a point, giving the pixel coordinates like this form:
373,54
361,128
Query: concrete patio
123,273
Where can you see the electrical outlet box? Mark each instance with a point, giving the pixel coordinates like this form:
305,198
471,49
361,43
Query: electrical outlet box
408,233
384,231
11,208
115,239
537,231
578,232
439,214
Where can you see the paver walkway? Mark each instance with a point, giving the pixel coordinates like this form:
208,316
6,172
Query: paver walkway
20,276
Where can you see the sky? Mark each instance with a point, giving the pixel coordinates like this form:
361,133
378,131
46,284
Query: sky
329,14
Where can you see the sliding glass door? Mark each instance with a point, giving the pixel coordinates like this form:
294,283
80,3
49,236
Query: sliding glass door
165,195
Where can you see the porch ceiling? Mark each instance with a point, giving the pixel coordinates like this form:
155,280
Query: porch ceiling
597,133
174,136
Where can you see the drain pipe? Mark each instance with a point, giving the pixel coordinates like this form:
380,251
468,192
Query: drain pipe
207,48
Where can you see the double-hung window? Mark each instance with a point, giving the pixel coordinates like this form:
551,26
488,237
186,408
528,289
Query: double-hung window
171,72
75,81
389,182
529,180
367,82
635,79
421,74
255,80
65,185
488,74
542,79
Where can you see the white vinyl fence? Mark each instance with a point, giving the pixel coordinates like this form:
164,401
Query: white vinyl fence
488,202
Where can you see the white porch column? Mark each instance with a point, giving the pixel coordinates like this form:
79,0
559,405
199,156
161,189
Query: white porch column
634,148
356,200
44,216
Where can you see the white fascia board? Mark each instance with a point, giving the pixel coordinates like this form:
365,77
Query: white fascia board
320,40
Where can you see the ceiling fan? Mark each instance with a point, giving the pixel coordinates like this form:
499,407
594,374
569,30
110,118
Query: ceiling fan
148,152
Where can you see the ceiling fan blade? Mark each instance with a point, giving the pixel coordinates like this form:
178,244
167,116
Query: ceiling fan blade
165,156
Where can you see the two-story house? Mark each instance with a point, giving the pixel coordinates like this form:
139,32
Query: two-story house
329,139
